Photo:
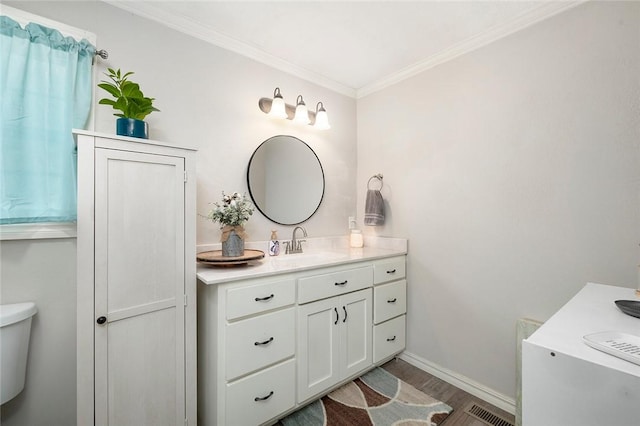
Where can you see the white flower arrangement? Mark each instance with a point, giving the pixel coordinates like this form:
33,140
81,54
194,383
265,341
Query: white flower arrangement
234,210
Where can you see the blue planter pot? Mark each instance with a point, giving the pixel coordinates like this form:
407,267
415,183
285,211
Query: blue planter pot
132,128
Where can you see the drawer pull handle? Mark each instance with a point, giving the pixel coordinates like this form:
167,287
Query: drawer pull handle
101,320
264,299
393,271
266,342
337,316
342,283
392,339
392,300
345,314
263,398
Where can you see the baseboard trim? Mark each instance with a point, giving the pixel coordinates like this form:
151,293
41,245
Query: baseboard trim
458,380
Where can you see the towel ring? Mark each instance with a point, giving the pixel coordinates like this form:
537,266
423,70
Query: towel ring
378,177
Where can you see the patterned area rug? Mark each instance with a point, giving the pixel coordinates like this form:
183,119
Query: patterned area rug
378,399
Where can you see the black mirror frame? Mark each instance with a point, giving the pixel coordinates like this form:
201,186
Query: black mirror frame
321,171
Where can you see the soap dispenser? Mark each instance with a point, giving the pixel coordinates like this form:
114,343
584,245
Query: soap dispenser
274,244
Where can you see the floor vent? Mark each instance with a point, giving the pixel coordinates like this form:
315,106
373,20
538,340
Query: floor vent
486,416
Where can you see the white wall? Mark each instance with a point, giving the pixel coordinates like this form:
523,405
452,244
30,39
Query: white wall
44,273
514,171
209,99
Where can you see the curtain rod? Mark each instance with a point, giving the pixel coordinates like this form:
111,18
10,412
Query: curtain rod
102,53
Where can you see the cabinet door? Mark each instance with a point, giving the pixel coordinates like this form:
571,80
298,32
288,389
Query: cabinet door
139,288
334,341
318,339
355,339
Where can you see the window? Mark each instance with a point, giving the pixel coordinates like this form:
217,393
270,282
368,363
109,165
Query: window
46,90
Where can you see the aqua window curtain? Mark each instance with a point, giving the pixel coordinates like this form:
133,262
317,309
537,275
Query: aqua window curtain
45,91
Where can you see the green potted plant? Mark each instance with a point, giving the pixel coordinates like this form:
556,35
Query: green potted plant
130,100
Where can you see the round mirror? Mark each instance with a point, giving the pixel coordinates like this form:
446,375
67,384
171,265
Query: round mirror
286,180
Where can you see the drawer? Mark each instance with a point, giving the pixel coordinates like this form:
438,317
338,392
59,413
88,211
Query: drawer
260,397
389,300
386,270
388,338
327,285
256,342
245,301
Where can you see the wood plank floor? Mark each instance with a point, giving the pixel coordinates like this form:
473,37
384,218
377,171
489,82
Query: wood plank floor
443,391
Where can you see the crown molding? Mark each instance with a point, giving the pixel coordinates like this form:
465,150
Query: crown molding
521,22
195,29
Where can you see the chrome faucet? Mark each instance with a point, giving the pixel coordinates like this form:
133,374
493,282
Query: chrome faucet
295,245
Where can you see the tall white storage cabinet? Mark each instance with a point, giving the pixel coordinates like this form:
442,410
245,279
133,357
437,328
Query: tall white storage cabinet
136,282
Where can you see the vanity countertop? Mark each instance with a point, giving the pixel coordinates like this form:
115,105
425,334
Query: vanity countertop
321,253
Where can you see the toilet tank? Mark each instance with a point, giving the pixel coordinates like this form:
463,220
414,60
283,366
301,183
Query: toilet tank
15,328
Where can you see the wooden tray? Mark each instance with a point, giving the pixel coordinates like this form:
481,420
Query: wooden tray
215,257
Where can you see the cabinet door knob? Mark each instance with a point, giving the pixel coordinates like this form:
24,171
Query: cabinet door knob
101,320
341,283
345,314
264,299
391,339
393,271
337,316
263,398
392,300
266,342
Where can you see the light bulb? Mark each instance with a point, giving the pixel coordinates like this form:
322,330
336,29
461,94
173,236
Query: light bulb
278,109
322,119
302,114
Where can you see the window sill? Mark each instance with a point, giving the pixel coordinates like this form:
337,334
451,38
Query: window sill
37,231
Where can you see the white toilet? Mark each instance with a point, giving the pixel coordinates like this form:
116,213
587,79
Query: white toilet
15,328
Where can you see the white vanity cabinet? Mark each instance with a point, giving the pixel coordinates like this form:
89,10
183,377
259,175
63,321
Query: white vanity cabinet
268,345
390,307
136,331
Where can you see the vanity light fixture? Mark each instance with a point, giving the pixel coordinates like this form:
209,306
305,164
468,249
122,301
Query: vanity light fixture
322,120
302,113
276,107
